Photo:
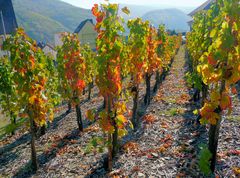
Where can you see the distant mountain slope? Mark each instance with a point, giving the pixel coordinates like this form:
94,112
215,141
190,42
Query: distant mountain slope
39,27
173,19
43,18
136,10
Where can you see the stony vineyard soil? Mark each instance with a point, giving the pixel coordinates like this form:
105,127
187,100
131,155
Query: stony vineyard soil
165,145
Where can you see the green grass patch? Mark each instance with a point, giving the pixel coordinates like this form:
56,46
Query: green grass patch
169,100
4,121
174,111
233,118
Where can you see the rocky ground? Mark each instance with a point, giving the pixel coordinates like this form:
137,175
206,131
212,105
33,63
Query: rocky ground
165,145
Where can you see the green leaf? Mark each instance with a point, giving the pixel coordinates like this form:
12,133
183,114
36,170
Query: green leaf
195,112
131,125
91,115
224,25
213,33
203,121
204,160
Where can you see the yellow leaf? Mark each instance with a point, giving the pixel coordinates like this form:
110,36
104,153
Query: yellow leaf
225,25
106,125
122,119
213,33
122,132
236,170
51,116
131,125
199,69
90,115
206,109
41,122
225,102
195,112
31,100
203,121
121,107
213,118
218,42
215,96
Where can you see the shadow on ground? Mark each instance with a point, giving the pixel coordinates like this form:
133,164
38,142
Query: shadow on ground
26,170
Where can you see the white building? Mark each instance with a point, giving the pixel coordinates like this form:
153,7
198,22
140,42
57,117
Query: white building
48,50
87,33
58,39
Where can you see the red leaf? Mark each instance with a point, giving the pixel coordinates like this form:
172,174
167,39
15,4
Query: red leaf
234,152
211,60
225,102
95,11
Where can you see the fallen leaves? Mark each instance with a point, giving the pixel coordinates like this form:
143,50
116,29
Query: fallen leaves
167,138
136,169
63,150
158,97
233,152
236,171
149,119
147,152
225,154
134,148
221,155
183,99
164,125
92,128
55,138
180,175
116,174
130,147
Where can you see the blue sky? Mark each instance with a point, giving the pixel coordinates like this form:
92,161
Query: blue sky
173,3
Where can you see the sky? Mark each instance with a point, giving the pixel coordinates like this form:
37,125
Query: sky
173,3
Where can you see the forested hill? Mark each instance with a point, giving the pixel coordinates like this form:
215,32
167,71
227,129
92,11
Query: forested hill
43,18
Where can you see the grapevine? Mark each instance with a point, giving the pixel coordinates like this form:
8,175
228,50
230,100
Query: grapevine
218,63
137,42
91,65
28,64
153,61
71,71
109,47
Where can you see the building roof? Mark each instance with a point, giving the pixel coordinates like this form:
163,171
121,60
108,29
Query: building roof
204,6
50,46
190,23
82,24
43,45
9,17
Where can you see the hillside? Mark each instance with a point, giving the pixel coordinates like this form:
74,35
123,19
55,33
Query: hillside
43,18
136,10
173,19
